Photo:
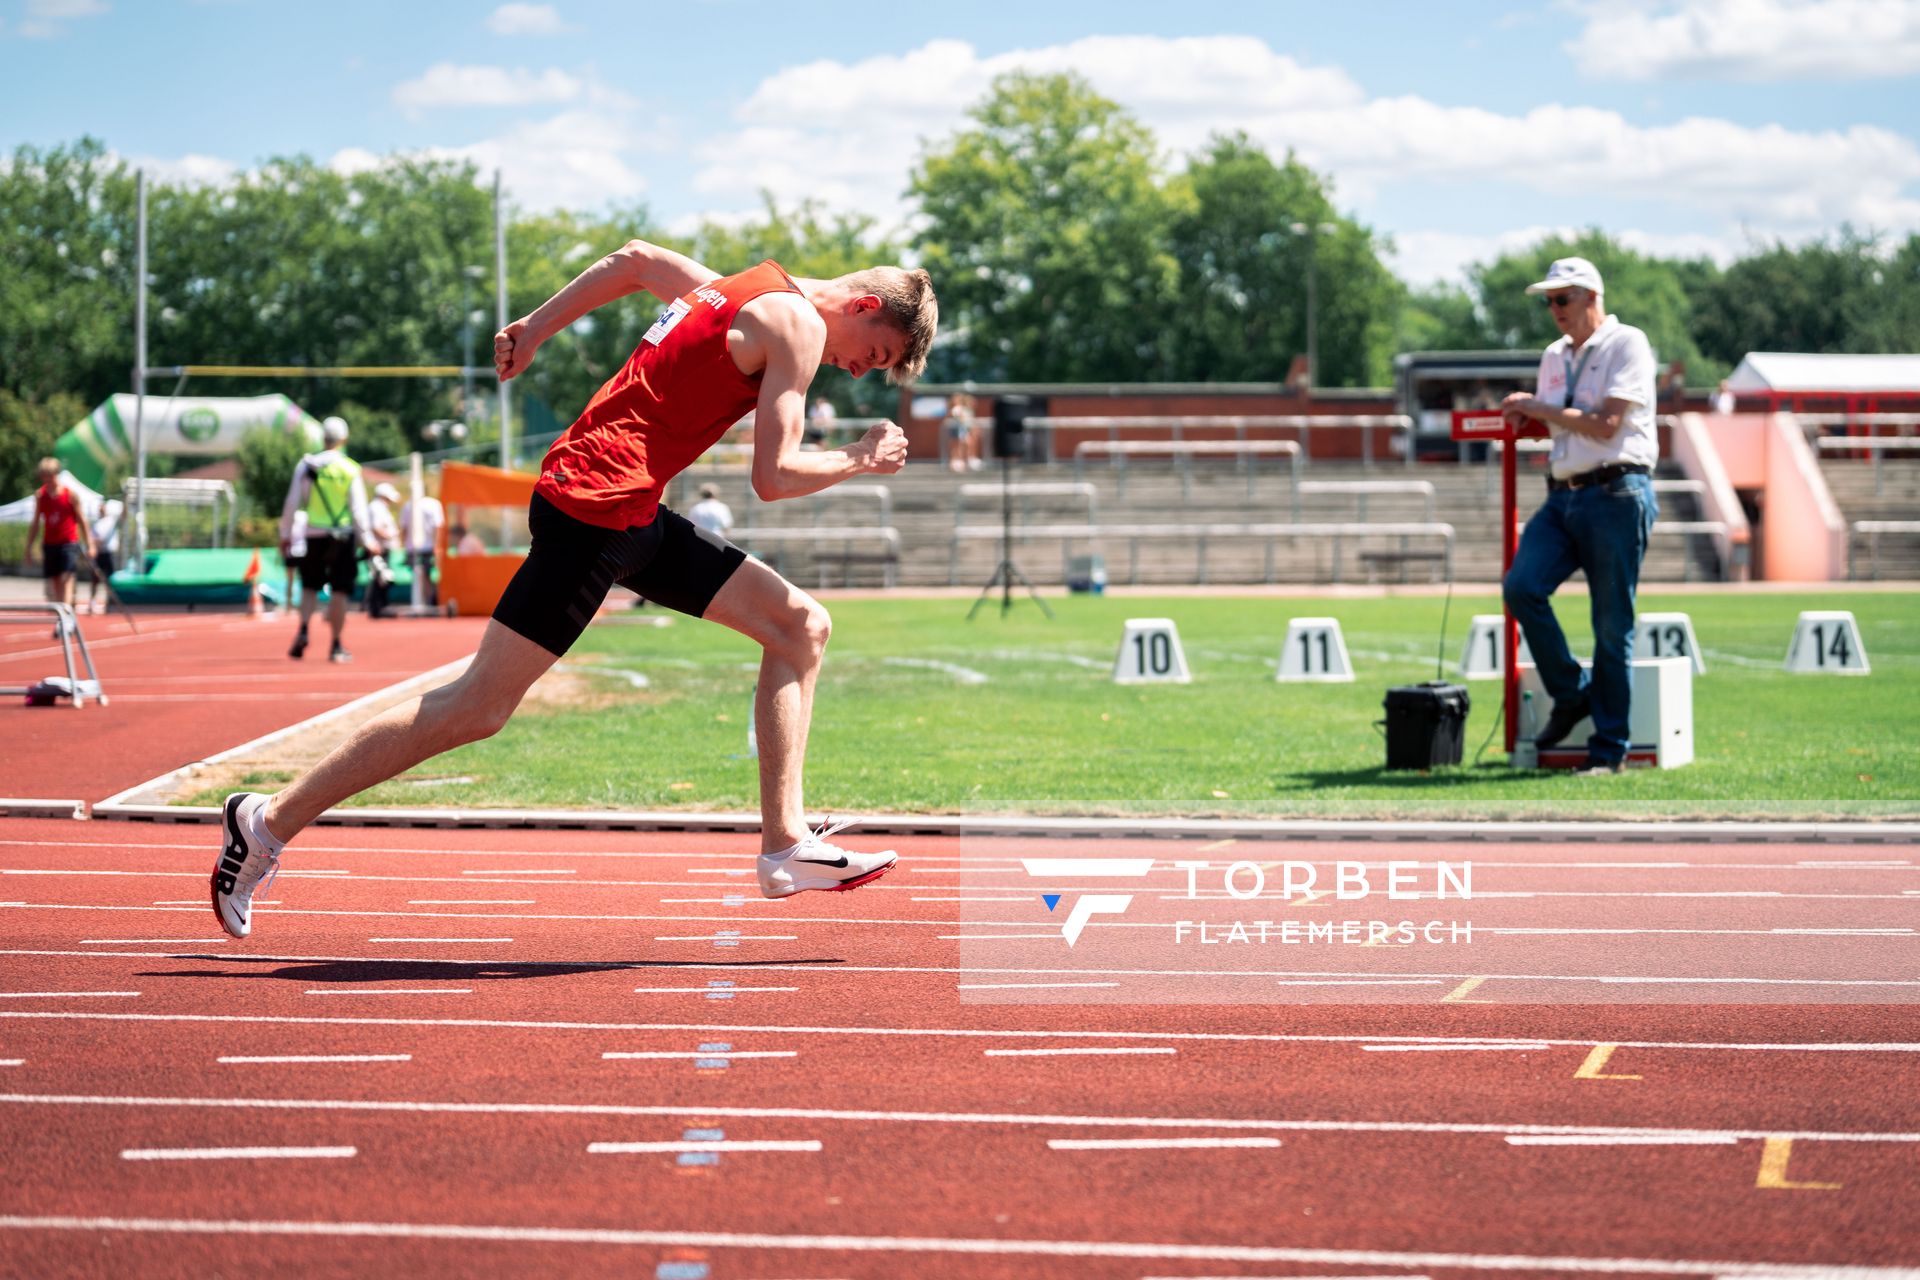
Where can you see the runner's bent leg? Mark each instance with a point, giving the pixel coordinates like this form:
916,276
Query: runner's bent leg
474,706
791,628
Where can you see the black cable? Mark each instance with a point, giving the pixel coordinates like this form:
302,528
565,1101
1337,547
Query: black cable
1440,658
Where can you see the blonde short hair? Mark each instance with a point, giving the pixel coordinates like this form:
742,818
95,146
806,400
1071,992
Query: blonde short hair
907,300
47,469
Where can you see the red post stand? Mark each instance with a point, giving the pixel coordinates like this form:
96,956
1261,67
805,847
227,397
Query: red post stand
1482,424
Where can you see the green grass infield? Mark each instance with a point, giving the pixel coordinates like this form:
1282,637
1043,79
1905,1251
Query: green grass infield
919,710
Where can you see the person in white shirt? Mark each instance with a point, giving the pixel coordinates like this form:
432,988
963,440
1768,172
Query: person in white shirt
1596,397
106,553
421,541
710,513
386,534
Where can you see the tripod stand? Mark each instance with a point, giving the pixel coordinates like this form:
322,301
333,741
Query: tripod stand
1006,571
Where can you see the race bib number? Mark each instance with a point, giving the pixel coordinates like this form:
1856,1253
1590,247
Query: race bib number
672,316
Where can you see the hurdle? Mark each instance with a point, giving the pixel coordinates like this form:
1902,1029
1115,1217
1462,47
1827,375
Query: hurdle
37,613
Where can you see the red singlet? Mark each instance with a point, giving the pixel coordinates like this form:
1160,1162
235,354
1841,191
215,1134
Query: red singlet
59,515
677,394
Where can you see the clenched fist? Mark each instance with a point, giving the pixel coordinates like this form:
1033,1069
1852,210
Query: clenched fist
513,349
885,448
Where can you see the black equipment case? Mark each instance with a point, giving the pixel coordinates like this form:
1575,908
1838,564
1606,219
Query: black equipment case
1426,724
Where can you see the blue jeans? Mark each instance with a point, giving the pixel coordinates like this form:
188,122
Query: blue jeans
1602,531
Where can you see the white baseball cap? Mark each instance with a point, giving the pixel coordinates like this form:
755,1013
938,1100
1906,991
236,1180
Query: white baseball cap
1569,273
386,491
334,430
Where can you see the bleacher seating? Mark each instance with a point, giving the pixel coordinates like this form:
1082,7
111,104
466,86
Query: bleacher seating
926,501
1879,497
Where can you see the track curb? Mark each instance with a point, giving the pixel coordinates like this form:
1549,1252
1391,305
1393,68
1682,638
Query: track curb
1650,832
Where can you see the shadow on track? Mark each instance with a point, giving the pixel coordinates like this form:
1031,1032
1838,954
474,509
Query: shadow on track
376,970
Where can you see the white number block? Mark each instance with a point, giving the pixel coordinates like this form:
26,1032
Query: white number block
1827,642
1150,653
1484,658
1667,635
1314,650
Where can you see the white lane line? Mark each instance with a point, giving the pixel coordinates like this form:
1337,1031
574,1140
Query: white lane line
718,1053
1005,899
523,871
449,940
1064,1053
1156,1144
716,1144
961,1246
1005,1033
730,937
1619,1140
64,995
240,1153
1449,1048
13,1062
390,991
715,871
990,1118
993,937
470,902
1070,868
128,942
965,675
319,1057
731,900
1026,985
706,991
1360,982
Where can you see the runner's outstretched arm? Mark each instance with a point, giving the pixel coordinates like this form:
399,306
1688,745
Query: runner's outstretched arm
634,267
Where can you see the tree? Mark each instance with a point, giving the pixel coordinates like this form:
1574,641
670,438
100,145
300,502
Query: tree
1828,295
267,460
28,429
1045,231
1440,317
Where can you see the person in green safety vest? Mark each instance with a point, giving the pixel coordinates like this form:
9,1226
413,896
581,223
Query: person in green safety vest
323,527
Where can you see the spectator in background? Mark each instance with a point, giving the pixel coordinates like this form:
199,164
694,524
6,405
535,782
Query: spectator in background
710,513
820,420
1723,401
62,531
421,539
106,551
386,535
1596,398
328,491
963,437
465,542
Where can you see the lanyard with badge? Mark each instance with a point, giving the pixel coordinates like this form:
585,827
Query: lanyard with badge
1574,370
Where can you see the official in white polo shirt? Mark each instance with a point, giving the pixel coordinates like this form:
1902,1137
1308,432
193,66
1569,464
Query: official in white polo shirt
1596,397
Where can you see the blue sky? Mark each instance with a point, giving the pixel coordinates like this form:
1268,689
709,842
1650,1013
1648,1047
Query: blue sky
1459,129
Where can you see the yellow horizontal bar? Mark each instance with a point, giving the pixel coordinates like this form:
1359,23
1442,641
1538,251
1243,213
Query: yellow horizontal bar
322,371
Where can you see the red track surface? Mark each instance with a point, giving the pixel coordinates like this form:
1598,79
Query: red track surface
472,1155
188,685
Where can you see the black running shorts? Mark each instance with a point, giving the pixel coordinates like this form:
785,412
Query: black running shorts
329,562
573,565
59,559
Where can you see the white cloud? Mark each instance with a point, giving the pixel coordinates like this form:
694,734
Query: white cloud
847,133
527,20
43,17
191,170
1749,39
575,160
448,85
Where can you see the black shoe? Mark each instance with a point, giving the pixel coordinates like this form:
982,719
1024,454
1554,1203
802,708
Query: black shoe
1595,767
339,654
1560,723
299,649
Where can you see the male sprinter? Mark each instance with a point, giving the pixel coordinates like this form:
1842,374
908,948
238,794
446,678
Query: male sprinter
724,345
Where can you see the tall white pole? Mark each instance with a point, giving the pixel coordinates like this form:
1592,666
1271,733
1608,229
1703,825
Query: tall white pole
140,370
500,311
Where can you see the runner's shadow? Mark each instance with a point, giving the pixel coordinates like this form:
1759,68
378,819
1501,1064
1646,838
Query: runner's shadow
365,971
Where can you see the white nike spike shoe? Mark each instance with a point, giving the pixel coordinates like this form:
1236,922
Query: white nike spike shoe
815,864
240,866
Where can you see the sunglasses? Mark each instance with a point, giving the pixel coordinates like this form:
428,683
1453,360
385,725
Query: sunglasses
1558,299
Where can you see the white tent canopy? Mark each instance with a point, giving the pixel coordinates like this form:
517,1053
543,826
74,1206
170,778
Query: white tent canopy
21,512
1787,373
